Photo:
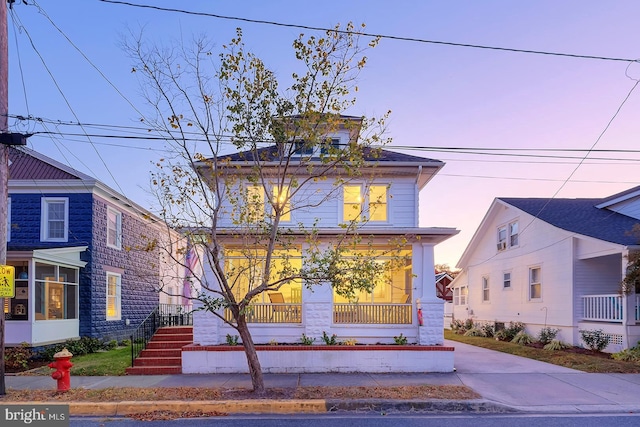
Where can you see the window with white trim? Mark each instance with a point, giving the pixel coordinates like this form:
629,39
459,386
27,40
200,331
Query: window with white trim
281,197
460,295
535,283
114,288
485,289
502,238
361,201
114,229
54,224
506,280
513,233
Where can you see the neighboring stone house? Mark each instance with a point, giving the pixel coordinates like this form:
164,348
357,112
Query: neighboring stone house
76,247
555,263
387,193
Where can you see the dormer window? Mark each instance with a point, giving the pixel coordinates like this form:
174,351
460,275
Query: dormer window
302,148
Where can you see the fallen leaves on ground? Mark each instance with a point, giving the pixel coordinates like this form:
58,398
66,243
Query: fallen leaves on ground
172,415
447,392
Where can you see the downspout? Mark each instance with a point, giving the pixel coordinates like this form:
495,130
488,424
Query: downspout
416,220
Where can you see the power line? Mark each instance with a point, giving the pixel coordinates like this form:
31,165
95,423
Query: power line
365,34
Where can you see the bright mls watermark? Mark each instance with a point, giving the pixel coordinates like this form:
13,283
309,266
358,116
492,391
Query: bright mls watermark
34,415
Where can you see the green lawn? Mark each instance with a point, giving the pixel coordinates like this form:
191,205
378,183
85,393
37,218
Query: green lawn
587,361
112,362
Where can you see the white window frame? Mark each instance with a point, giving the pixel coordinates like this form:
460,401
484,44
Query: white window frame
460,295
513,236
366,204
506,280
44,219
286,215
114,228
502,238
486,289
537,283
117,297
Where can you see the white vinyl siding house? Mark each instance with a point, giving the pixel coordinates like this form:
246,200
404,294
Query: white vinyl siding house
564,272
388,199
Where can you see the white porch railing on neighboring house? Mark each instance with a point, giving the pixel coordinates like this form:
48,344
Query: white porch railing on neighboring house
637,310
604,308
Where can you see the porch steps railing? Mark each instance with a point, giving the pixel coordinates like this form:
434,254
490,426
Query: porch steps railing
162,315
163,353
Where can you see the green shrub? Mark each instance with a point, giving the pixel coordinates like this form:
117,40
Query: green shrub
125,343
400,339
630,354
595,339
555,345
305,340
17,358
488,330
474,332
502,335
522,338
546,335
232,339
329,340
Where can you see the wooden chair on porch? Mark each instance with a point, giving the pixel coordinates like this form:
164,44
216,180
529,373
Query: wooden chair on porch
279,310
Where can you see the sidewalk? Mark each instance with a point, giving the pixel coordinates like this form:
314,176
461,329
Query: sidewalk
505,382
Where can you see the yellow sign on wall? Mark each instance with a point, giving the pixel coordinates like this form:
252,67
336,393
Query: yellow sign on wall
7,281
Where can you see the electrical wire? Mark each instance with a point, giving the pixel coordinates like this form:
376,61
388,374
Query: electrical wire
365,34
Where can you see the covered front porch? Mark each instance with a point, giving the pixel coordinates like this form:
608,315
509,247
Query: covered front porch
617,315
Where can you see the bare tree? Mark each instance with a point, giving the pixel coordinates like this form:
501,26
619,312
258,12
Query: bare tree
209,106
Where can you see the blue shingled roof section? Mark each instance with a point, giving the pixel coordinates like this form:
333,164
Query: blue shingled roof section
267,153
581,216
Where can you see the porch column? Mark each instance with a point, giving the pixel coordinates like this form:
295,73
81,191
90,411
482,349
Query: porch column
206,326
628,310
432,330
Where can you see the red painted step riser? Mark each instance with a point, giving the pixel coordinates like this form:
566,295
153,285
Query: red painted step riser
154,370
169,331
167,344
160,361
161,353
173,337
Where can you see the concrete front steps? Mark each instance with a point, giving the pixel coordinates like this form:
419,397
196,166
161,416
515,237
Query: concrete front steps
163,354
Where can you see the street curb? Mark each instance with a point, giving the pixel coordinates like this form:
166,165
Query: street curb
274,406
475,406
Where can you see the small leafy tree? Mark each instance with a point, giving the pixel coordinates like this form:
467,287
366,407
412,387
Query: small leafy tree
208,106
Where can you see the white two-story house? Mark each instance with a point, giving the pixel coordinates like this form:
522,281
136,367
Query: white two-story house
387,193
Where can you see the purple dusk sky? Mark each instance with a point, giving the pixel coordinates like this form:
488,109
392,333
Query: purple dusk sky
439,95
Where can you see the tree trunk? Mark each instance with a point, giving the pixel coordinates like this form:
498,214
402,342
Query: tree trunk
255,370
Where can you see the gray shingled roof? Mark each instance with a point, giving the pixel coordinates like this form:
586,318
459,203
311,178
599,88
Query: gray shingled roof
268,153
581,216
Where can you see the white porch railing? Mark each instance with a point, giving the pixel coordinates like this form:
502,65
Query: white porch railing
637,310
604,308
271,313
377,314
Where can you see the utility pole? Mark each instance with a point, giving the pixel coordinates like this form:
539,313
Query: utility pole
4,167
6,140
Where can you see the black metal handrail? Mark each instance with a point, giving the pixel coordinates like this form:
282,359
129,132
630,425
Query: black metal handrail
162,315
141,336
